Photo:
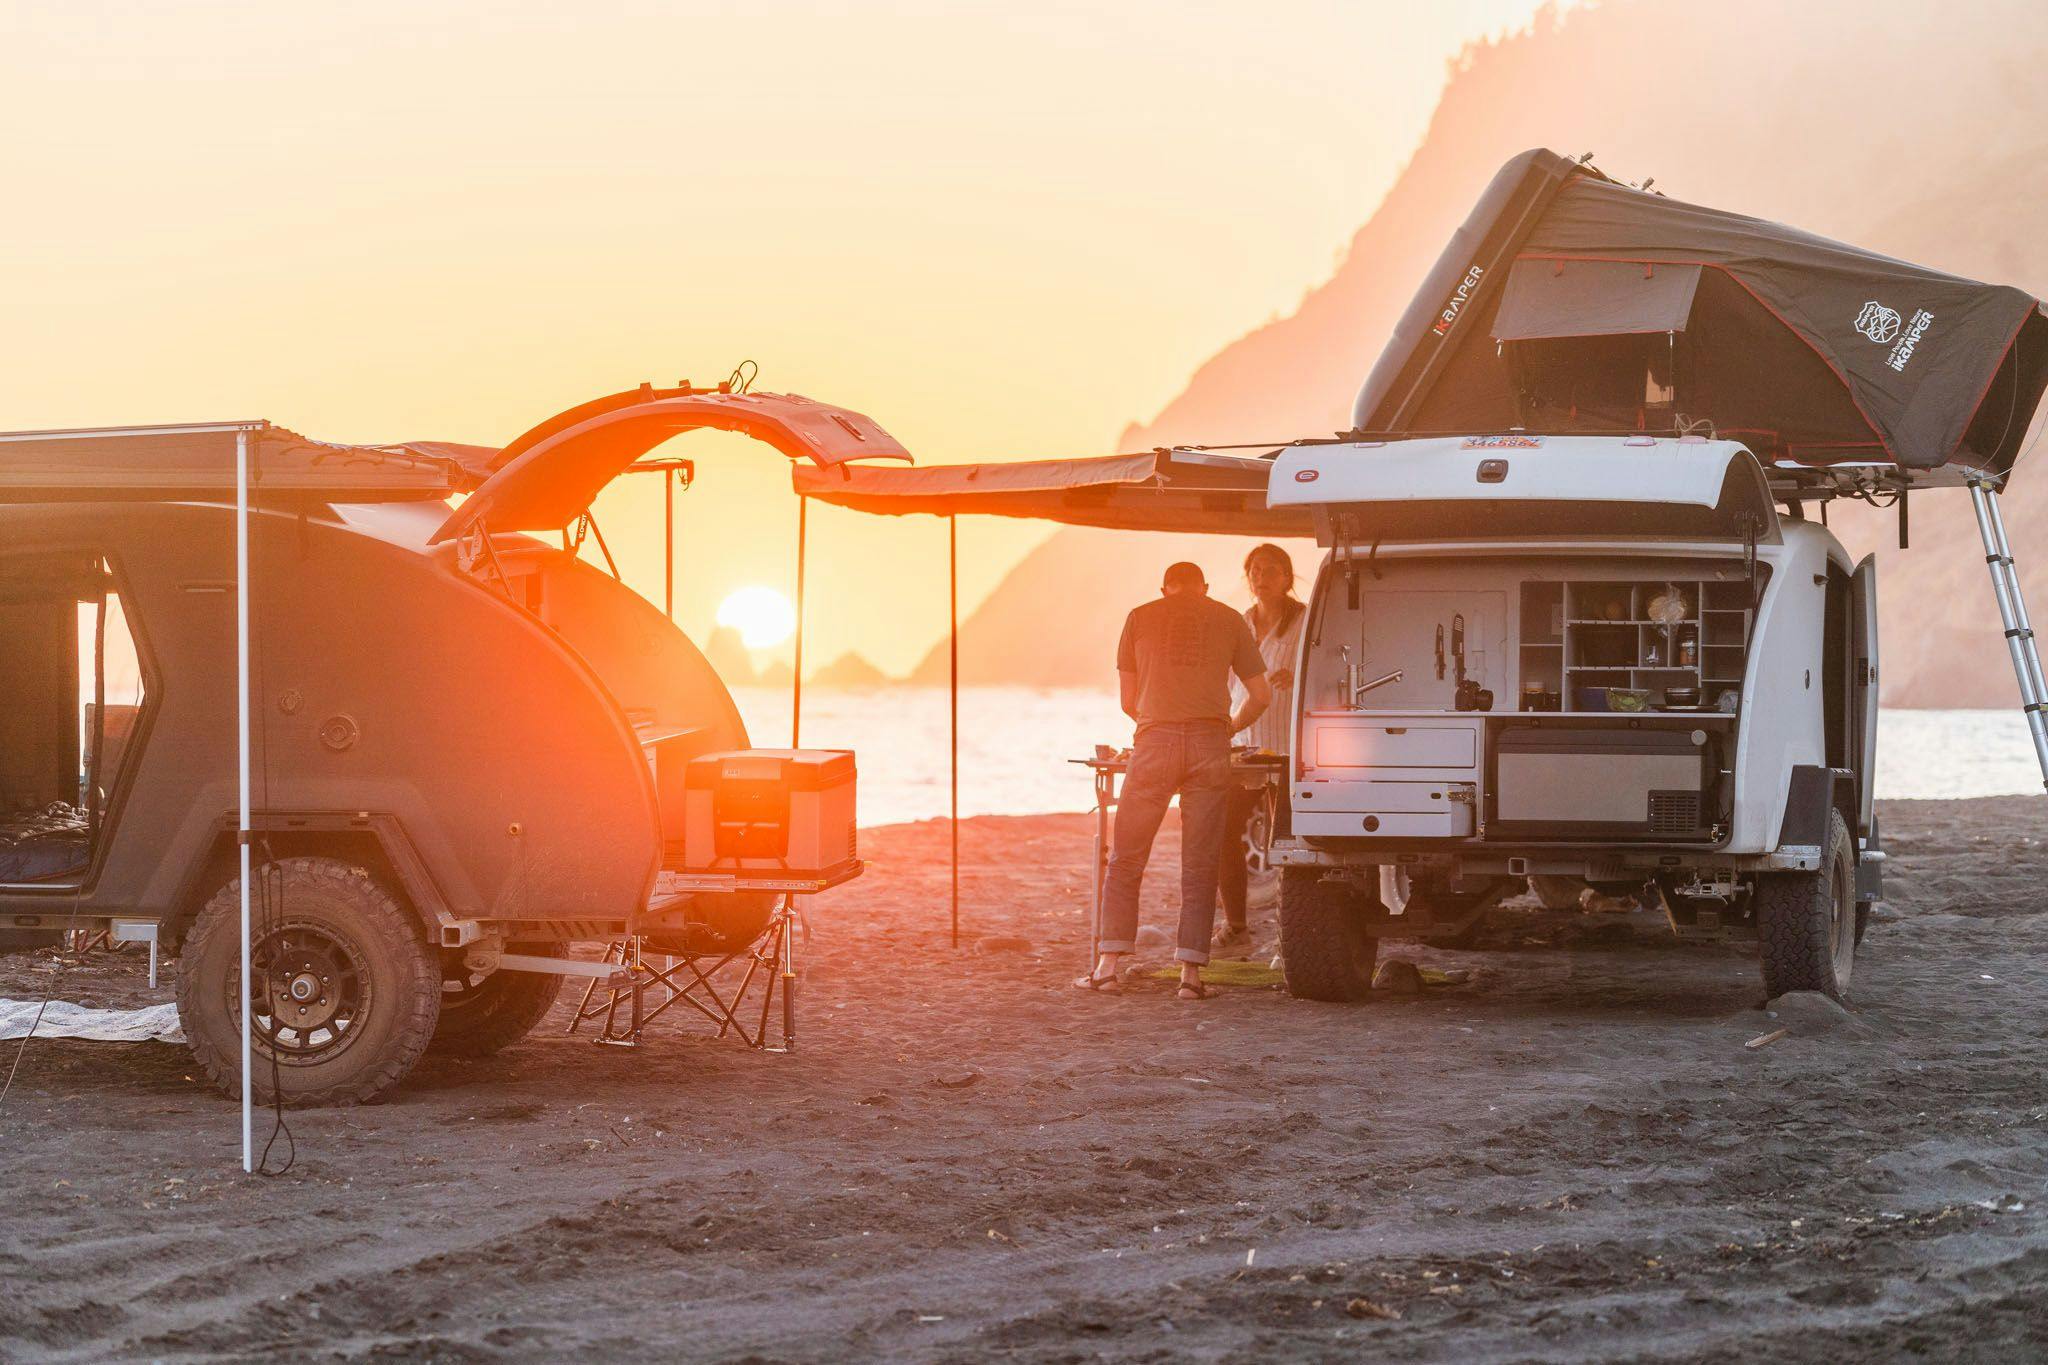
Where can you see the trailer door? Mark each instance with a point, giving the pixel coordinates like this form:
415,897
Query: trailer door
1863,686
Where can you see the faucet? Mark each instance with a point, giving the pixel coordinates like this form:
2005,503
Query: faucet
1360,689
1353,687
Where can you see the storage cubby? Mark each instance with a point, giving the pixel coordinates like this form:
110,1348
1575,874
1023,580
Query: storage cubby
1626,633
1542,636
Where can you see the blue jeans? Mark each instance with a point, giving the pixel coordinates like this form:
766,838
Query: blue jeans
1192,758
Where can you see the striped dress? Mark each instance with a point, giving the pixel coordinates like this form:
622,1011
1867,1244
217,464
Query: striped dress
1269,731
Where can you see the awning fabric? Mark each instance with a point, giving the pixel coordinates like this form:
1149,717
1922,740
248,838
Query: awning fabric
1197,491
1593,299
197,461
1809,350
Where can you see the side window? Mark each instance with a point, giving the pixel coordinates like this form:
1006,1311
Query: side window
71,694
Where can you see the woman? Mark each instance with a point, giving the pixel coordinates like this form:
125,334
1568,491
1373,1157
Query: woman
1275,617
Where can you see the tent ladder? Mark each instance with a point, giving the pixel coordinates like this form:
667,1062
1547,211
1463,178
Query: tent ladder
2012,612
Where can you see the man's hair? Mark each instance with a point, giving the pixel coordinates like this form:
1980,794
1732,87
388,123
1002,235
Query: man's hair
1183,575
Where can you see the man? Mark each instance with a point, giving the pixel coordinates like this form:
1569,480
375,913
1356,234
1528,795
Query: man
1173,668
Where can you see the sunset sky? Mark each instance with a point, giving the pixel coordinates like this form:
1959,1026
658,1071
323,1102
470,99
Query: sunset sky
1002,230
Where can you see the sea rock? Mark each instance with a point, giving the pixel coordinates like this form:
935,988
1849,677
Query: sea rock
1002,943
1398,976
1809,1014
1152,936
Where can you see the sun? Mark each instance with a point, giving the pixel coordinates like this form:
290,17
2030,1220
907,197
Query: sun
762,616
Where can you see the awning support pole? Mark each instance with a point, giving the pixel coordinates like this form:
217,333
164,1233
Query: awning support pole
796,718
668,544
953,685
242,772
2012,612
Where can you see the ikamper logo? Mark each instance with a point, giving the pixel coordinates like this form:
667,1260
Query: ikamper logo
1878,322
1455,304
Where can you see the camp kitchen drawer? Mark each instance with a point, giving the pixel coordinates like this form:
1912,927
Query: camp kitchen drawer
1612,781
1385,809
1343,742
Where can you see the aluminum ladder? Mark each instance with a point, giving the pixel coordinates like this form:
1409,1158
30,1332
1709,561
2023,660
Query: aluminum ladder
2012,610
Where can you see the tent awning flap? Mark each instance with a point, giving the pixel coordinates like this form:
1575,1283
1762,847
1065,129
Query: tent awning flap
1160,491
1563,298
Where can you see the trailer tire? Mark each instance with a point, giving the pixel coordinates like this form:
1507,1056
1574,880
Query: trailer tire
1806,921
484,1016
1325,951
338,945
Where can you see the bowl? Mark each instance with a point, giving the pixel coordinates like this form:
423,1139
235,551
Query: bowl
1628,699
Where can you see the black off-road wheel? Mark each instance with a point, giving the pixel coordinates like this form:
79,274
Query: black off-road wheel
1325,951
345,990
1806,921
482,1013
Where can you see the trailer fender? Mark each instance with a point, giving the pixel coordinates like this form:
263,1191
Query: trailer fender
1811,794
377,842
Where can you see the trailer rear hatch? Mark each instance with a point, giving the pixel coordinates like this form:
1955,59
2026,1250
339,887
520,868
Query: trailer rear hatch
1520,487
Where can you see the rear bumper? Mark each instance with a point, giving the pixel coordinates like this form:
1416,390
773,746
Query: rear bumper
1594,862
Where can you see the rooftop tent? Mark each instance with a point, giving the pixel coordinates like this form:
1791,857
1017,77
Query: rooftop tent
1568,302
1164,490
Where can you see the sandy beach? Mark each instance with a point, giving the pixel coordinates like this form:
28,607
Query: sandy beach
1568,1155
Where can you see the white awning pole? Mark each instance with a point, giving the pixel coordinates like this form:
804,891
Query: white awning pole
242,764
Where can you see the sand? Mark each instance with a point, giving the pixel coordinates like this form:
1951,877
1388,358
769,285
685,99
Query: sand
1569,1155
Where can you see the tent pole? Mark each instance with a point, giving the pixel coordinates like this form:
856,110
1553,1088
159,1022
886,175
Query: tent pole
242,770
796,703
953,684
668,544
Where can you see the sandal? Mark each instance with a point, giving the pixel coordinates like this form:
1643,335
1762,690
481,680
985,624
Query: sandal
1191,990
1092,982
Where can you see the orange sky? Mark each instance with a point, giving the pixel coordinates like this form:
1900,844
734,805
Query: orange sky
1003,230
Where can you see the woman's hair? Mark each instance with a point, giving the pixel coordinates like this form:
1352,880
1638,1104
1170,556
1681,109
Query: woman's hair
1286,566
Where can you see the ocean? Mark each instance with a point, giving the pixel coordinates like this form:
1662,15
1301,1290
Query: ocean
1015,743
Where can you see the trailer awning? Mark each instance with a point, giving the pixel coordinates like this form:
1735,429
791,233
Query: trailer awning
549,476
196,461
1169,490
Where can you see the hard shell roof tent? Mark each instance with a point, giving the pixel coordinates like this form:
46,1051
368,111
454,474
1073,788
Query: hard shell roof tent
1569,302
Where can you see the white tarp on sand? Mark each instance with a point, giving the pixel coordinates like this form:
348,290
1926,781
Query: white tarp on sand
62,1019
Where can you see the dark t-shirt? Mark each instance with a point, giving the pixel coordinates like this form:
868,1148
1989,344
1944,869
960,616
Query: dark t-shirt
1183,650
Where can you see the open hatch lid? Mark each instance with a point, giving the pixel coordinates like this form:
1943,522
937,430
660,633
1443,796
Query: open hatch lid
1513,488
549,476
1568,302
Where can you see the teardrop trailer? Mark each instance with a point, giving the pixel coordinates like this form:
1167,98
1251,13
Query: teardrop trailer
472,748
1563,629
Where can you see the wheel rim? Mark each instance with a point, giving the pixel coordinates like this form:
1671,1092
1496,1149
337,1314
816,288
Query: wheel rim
311,994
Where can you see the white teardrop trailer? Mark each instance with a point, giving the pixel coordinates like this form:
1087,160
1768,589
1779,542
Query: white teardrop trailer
1563,629
1421,794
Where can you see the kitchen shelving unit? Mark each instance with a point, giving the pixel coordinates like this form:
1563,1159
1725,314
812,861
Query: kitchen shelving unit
1599,633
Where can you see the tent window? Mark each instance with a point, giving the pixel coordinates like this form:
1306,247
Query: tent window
71,691
1546,299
